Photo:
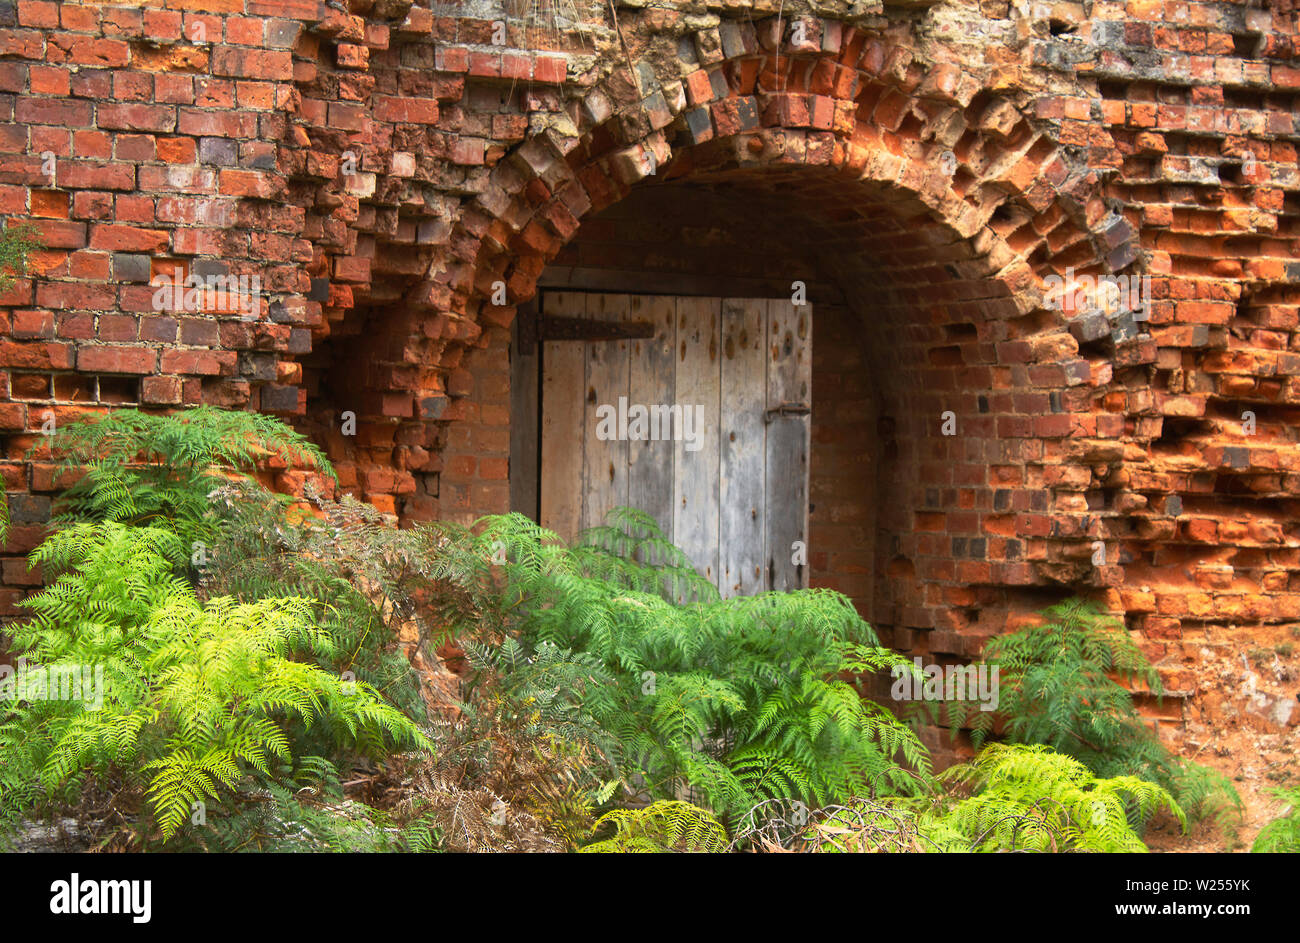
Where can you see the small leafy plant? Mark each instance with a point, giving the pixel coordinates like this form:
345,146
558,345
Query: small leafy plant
1010,797
16,243
203,703
361,574
1057,689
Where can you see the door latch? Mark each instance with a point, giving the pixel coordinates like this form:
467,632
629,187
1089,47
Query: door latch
787,409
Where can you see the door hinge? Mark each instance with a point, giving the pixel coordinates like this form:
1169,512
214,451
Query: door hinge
534,329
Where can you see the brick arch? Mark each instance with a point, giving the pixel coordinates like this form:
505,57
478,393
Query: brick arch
861,107
852,110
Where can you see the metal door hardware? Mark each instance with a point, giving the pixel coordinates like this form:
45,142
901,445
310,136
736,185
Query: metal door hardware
534,329
787,409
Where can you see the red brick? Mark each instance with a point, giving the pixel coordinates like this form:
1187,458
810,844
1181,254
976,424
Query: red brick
177,150
198,362
111,53
94,175
162,25
494,469
137,360
76,296
17,573
28,324
174,89
352,269
549,69
252,63
95,145
137,117
38,13
118,327
699,88
515,67
49,80
413,110
63,113
117,21
135,147
485,65
115,238
161,390
451,59
35,356
26,44
351,56
249,183
468,151
244,30
13,416
52,204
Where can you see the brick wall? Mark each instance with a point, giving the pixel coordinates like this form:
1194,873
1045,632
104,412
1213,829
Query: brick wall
846,463
379,169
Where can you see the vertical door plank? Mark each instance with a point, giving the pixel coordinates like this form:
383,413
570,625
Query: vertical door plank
695,489
563,396
789,380
743,504
653,383
605,459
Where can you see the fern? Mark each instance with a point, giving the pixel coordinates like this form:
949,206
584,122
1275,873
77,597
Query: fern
190,473
196,696
1010,797
725,701
1058,687
159,470
303,811
1204,793
363,576
1283,833
1032,798
666,825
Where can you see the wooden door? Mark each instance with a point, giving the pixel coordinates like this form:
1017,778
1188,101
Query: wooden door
722,387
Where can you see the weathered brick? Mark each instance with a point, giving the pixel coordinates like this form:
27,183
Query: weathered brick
252,63
161,390
117,360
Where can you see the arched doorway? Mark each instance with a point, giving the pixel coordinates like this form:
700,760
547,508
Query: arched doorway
928,216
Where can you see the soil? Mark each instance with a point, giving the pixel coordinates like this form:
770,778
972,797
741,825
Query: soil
1243,719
